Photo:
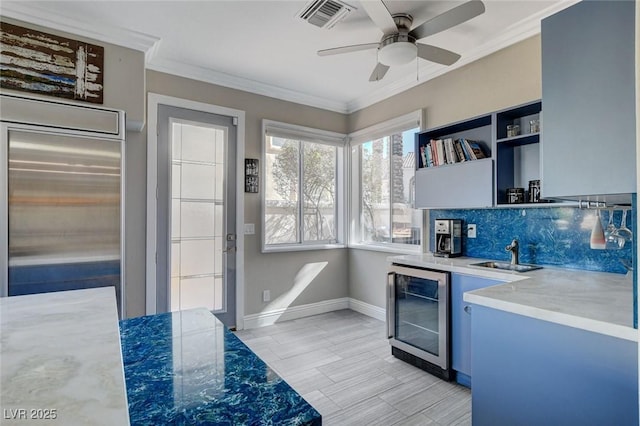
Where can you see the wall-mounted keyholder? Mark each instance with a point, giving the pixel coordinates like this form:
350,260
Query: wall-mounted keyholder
251,181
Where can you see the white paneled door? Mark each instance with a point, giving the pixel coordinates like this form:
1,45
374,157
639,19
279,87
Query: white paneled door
196,232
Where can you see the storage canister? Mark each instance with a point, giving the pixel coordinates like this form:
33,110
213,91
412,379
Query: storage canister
534,191
515,195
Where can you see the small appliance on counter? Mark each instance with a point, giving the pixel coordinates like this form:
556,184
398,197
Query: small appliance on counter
448,237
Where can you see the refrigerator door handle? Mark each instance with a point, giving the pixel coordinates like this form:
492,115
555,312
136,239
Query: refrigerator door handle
391,304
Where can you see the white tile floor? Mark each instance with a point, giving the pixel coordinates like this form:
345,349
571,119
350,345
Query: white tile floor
341,363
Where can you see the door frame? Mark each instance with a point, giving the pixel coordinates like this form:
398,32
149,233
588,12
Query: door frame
153,100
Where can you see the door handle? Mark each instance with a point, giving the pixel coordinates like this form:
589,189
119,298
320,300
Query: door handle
230,237
467,309
391,301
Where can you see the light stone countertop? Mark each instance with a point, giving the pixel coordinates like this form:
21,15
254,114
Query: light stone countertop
594,301
60,358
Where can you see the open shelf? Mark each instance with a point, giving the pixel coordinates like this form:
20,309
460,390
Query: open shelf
517,157
525,139
513,161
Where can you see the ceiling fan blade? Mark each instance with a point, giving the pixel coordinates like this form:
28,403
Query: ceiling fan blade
449,19
380,15
378,72
437,54
347,49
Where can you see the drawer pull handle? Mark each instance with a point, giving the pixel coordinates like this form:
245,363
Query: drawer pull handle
467,309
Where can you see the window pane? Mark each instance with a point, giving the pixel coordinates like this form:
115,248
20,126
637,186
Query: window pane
406,221
374,178
319,190
387,177
281,191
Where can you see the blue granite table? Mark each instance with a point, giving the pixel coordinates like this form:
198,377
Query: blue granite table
187,368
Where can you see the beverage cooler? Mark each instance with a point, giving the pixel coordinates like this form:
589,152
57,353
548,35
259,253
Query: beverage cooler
62,195
418,318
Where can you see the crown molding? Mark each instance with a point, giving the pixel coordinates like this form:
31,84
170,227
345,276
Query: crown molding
148,44
207,75
27,12
24,11
511,35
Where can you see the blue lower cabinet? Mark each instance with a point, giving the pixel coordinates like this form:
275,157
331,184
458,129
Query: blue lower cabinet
461,323
533,372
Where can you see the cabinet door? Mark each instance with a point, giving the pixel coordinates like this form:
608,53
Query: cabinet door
463,185
588,128
461,321
534,372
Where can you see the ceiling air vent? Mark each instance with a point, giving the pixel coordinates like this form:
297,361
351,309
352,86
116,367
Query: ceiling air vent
325,13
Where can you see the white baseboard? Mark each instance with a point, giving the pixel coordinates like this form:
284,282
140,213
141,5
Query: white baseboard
294,312
286,314
368,309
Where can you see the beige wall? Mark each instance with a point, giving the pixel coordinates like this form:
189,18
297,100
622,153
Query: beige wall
135,223
506,78
277,272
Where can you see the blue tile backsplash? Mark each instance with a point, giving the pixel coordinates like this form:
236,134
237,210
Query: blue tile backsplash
547,235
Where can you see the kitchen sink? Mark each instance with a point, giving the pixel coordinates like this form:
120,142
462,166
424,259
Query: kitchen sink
506,266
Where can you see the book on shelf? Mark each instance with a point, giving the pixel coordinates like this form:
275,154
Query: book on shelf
433,145
426,155
459,151
477,150
438,152
423,156
428,162
451,154
466,149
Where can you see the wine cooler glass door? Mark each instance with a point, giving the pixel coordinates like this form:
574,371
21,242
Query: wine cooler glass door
420,302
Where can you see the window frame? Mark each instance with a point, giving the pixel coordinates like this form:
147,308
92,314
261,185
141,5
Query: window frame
356,139
306,134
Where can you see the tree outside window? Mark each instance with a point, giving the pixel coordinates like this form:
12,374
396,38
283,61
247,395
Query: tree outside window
300,191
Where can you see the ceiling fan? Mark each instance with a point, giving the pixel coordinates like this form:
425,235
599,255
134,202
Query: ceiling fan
399,43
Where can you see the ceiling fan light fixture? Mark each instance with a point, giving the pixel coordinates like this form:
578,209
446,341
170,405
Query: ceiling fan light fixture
398,53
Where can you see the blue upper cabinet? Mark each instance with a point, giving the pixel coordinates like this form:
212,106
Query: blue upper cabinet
446,175
588,89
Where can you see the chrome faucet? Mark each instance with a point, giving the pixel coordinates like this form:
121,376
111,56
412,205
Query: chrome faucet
513,248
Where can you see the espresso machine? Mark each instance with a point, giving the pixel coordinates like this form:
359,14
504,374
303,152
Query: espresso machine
448,237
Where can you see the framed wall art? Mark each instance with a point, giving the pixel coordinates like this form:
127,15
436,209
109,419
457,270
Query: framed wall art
37,62
251,178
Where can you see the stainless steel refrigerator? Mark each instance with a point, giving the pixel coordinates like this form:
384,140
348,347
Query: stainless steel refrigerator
62,195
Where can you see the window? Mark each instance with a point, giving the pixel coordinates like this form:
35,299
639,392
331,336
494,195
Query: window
382,176
302,206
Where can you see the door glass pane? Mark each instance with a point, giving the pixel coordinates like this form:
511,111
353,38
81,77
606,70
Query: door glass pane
197,217
417,312
64,213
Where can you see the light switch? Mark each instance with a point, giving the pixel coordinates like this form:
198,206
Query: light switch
249,228
471,230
